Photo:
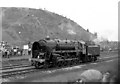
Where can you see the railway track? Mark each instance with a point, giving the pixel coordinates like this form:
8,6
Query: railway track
16,71
15,66
12,66
28,69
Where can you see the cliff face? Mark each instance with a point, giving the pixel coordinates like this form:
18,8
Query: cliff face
20,25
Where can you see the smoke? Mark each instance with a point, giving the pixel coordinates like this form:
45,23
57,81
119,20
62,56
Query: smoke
99,39
96,41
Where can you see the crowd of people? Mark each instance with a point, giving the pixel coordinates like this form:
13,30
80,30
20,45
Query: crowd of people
9,51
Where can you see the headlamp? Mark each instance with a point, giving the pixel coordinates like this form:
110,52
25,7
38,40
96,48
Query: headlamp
38,57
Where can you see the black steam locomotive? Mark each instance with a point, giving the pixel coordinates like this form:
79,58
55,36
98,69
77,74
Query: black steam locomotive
47,52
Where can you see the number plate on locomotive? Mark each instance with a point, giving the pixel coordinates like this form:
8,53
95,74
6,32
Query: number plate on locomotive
41,54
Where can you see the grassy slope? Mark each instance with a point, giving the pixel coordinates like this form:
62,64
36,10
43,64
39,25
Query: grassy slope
20,25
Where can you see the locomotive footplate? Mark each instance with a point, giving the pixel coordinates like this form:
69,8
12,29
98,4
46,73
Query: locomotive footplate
38,60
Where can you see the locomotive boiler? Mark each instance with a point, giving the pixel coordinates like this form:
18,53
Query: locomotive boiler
47,52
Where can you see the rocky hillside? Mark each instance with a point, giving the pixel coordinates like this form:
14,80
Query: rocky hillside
21,25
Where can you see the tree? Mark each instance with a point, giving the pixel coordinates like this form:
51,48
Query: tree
95,34
87,30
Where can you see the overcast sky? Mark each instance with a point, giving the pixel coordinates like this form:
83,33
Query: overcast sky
99,16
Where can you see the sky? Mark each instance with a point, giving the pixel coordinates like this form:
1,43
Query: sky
99,16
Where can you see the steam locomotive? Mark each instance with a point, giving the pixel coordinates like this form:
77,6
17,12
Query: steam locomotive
48,52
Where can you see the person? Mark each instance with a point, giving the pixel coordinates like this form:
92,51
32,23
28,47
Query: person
8,53
29,51
15,51
92,76
19,52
